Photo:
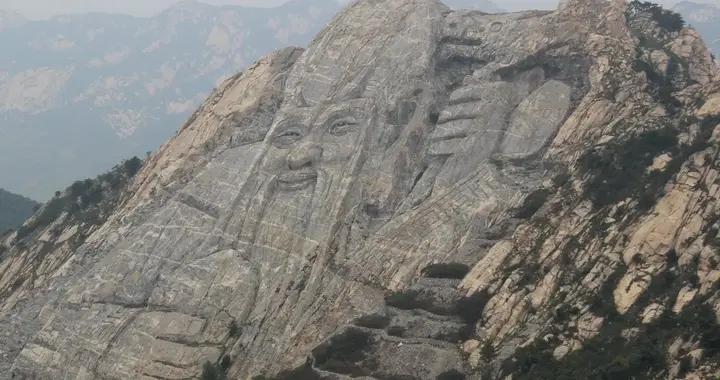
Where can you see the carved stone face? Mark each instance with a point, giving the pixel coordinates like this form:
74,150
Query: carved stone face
313,145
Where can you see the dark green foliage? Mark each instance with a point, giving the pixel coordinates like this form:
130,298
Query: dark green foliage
451,375
609,355
87,201
373,321
344,353
213,372
132,166
14,210
666,19
532,204
603,303
446,270
488,352
618,171
470,309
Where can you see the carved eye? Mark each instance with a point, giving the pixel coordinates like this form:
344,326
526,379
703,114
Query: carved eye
286,138
343,126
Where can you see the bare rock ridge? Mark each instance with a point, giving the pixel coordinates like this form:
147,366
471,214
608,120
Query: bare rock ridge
422,193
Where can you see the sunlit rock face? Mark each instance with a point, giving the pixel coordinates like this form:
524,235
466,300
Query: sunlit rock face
307,188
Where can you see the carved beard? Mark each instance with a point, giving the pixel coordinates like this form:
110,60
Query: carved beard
291,226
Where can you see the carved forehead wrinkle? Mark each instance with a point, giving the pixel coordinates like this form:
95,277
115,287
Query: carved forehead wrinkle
341,55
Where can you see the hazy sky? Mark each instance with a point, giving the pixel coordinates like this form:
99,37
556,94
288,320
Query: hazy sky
47,8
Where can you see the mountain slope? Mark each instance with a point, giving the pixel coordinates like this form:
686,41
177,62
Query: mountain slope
421,194
14,209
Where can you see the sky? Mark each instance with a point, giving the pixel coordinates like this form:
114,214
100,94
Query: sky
38,9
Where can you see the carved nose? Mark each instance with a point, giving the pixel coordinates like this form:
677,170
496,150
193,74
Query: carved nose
305,154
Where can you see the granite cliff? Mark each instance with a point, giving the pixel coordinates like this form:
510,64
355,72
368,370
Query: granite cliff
422,193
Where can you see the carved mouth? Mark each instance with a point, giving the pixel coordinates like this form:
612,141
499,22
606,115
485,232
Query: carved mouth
296,180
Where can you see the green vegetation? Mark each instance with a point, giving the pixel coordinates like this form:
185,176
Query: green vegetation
618,171
665,19
532,204
446,270
451,375
213,372
344,352
14,210
611,356
87,201
471,308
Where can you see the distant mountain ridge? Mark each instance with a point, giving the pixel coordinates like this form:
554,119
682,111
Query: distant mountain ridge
110,86
14,210
107,86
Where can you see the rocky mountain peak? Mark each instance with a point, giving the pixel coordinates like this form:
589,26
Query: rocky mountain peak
421,193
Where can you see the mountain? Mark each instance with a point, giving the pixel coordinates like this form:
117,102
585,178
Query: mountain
705,18
14,209
106,87
422,193
482,5
80,92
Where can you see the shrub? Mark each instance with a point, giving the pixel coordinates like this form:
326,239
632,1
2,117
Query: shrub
87,200
609,355
343,352
449,270
452,374
488,351
212,372
532,204
471,308
619,170
132,166
666,19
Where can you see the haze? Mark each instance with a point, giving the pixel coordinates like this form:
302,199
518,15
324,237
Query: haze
40,9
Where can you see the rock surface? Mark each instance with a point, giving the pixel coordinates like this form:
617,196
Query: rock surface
313,218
